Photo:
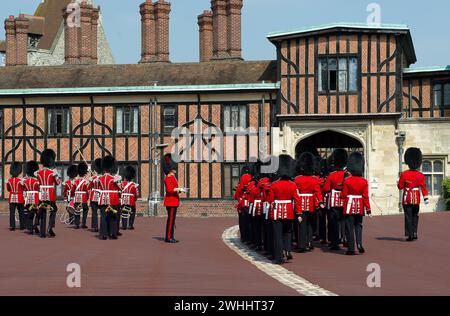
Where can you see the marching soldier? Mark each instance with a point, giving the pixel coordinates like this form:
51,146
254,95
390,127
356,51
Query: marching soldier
81,188
241,196
286,202
355,193
31,190
257,211
47,178
310,196
322,222
109,199
69,189
333,187
15,188
94,192
412,182
130,193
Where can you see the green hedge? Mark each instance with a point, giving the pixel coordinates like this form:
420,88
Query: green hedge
446,186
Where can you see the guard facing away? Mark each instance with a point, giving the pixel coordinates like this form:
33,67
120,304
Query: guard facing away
242,196
15,188
172,196
48,179
31,192
69,192
130,193
81,188
94,192
355,194
412,182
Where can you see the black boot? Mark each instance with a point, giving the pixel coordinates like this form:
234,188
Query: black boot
51,233
361,249
349,253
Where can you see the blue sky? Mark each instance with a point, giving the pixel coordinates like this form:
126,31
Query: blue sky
428,21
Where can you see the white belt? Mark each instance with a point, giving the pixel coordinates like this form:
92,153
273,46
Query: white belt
47,186
127,194
306,194
413,189
109,191
80,192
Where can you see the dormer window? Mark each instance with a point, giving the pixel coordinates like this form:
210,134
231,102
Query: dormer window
338,74
33,41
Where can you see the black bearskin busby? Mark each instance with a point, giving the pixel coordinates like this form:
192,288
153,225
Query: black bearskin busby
256,170
306,164
130,173
97,166
168,164
246,169
16,169
413,158
356,164
48,157
285,163
72,171
31,167
109,164
339,158
82,169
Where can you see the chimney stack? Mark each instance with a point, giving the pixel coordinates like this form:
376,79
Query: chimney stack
94,35
234,13
220,27
71,30
10,28
22,27
85,33
205,23
162,12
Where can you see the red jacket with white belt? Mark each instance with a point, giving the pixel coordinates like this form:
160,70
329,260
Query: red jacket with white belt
172,198
332,188
286,200
15,189
412,182
81,190
31,191
109,190
310,192
355,194
130,193
47,181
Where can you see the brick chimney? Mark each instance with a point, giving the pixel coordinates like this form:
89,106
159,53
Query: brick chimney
94,35
148,32
10,28
234,14
205,23
22,27
85,33
71,30
220,29
162,11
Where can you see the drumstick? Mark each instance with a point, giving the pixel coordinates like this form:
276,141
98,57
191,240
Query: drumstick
82,157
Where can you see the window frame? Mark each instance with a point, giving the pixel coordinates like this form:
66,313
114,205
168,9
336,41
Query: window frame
238,129
230,166
338,57
168,129
127,109
433,173
441,85
65,123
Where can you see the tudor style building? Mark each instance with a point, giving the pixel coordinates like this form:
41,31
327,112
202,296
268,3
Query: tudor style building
336,85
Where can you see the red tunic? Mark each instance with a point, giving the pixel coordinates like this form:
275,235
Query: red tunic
310,192
332,188
172,198
81,190
15,189
68,190
109,190
94,189
412,182
285,198
130,193
47,181
241,194
355,194
31,191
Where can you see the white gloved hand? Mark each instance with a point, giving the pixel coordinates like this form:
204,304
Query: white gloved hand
300,219
426,201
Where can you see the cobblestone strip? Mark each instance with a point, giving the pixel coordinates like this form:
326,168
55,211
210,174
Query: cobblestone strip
286,277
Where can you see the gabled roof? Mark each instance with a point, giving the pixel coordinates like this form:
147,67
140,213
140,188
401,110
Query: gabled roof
427,71
350,27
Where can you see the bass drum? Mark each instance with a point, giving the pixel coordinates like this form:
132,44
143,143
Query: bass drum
71,208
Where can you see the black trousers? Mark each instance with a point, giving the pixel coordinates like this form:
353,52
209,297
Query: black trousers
241,225
282,235
335,225
411,220
257,230
306,229
32,218
78,216
170,225
270,238
51,218
342,230
112,221
315,224
103,233
353,228
94,220
12,215
322,215
129,222
248,227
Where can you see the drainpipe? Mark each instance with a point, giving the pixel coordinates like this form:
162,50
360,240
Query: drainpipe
400,140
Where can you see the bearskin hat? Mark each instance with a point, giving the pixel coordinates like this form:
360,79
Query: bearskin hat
48,157
109,164
16,169
246,169
356,164
82,169
256,170
97,165
168,164
72,171
285,163
130,173
306,164
413,158
31,167
340,158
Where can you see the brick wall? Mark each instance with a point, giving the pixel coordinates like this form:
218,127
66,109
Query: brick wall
10,27
22,26
206,38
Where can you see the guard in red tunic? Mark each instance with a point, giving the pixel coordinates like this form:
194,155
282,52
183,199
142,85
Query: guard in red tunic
412,182
94,192
323,213
355,194
69,191
241,195
81,188
31,194
311,198
48,179
286,203
15,188
109,198
172,196
128,198
333,188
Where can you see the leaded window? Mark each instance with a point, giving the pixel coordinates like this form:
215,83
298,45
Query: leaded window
338,74
127,119
433,169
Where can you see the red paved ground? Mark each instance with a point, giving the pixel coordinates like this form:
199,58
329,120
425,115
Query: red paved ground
418,268
137,264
